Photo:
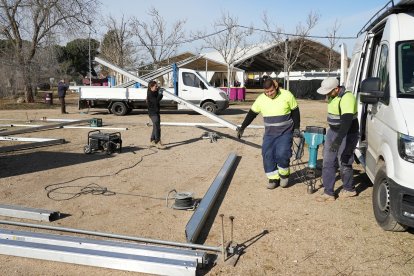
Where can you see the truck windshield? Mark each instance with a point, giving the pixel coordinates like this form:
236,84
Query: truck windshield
203,79
405,69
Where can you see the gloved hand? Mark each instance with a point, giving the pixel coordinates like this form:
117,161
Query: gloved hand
296,133
240,132
335,145
160,90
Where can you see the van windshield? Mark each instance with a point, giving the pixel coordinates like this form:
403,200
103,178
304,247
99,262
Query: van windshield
405,69
203,79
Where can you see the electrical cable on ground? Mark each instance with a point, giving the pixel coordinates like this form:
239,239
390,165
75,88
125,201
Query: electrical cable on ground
93,188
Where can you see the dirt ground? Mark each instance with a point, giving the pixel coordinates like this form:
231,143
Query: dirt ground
286,231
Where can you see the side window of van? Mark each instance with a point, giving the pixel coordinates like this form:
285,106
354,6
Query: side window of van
190,79
383,73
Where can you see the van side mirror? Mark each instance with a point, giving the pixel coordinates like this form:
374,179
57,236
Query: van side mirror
370,91
202,85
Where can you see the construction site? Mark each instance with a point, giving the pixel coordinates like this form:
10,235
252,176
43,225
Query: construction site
126,199
240,181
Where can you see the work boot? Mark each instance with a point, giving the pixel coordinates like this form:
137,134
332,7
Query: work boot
325,197
346,194
159,145
153,143
284,181
273,183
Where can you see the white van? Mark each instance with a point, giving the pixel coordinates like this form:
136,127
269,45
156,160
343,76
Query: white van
381,75
192,87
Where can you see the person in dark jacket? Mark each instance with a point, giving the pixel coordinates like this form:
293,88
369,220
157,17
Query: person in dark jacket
154,96
62,87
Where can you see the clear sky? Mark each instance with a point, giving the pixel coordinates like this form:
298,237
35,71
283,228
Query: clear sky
200,15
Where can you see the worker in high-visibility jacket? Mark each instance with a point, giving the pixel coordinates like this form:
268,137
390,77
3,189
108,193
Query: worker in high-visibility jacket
341,139
281,120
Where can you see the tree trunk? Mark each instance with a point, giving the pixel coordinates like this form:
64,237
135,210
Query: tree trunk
28,88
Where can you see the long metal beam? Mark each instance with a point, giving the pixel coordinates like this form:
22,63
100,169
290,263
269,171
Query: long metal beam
170,95
31,145
105,245
203,124
199,217
28,213
115,236
25,139
107,259
33,129
70,127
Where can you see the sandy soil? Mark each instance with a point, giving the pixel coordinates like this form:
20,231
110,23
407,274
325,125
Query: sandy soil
304,237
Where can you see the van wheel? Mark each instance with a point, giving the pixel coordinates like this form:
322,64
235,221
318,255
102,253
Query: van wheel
119,109
210,107
381,202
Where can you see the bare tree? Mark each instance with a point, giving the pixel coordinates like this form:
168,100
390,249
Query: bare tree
289,50
28,23
333,42
155,37
230,41
117,45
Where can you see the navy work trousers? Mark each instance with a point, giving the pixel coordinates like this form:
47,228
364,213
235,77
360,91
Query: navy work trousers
276,153
344,157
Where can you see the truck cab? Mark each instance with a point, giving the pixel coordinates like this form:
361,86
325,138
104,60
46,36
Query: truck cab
381,76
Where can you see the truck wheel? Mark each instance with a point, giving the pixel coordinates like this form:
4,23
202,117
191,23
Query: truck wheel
119,109
381,202
210,107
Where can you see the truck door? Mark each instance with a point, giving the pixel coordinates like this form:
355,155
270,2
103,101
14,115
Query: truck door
191,87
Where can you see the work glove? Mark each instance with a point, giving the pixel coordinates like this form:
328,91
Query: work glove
335,145
296,133
240,132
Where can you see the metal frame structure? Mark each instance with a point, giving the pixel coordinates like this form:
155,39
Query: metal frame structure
28,213
104,245
70,127
169,95
199,217
160,72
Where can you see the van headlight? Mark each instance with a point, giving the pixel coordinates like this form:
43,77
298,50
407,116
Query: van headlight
406,147
224,96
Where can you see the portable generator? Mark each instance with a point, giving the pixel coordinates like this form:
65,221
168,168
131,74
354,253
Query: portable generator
99,141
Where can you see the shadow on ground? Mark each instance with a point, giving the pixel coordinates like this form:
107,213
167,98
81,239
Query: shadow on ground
29,162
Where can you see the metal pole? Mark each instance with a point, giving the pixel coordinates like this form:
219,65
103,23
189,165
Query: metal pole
223,251
286,76
109,235
89,54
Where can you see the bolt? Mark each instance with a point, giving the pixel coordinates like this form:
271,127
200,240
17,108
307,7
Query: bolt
231,229
222,238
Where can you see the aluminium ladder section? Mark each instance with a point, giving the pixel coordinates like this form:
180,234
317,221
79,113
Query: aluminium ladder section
157,73
169,95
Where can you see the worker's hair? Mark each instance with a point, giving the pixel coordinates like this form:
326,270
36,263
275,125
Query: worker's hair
152,83
269,83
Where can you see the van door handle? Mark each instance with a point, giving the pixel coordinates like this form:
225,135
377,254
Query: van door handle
184,90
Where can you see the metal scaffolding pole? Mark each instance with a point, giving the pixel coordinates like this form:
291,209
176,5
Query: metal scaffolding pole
199,217
115,236
169,95
28,213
